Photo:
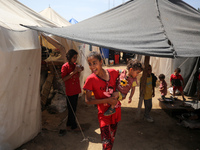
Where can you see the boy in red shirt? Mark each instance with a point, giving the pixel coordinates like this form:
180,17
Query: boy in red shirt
176,80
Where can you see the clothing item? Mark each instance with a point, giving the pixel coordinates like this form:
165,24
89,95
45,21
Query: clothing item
148,107
154,79
199,77
108,136
149,88
124,84
72,85
177,87
163,84
72,102
176,80
99,90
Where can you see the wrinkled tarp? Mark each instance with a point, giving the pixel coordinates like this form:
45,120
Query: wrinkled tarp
162,28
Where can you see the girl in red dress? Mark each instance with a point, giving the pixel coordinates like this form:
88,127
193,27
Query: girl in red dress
70,73
99,82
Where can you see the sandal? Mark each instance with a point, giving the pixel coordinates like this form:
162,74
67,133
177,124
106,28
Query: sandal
109,112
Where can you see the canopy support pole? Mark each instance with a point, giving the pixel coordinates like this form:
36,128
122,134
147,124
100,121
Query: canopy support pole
143,85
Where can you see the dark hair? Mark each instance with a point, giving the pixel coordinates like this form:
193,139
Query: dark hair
135,64
178,70
95,55
70,54
161,76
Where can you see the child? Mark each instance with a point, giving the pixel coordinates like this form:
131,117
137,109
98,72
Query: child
176,80
70,73
99,82
149,93
125,83
163,86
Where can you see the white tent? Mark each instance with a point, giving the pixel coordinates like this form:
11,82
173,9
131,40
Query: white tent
54,16
20,56
83,49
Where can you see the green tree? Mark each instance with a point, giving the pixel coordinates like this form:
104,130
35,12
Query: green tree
198,9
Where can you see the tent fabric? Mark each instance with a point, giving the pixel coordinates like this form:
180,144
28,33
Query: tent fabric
189,70
20,111
54,17
20,55
162,28
13,13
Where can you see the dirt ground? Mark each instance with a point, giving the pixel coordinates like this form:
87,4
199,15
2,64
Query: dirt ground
132,133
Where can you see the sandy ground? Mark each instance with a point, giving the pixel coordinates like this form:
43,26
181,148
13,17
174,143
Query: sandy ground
132,133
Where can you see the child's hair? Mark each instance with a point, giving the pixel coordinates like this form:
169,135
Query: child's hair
178,70
95,55
161,76
70,54
135,64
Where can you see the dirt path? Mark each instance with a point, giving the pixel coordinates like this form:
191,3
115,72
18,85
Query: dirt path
163,134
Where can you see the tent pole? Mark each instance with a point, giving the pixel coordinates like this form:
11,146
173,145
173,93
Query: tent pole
143,85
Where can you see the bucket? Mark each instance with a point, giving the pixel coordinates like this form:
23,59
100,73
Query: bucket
111,62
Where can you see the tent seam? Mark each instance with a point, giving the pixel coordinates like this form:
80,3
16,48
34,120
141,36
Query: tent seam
164,31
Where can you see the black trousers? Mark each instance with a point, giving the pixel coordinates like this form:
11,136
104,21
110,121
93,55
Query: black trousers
73,100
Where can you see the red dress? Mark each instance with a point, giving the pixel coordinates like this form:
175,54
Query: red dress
72,85
99,87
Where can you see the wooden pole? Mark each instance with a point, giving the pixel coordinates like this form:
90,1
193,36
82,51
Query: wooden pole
143,85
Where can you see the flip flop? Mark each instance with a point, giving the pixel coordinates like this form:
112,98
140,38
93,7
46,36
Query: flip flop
109,112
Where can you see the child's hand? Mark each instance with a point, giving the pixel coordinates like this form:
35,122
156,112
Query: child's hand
130,100
112,101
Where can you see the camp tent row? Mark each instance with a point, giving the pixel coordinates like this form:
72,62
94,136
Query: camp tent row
160,28
164,28
20,55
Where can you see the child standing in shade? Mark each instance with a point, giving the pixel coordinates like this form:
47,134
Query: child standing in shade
149,93
163,86
125,83
70,73
100,81
176,80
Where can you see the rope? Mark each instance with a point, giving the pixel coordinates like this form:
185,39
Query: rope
183,63
84,138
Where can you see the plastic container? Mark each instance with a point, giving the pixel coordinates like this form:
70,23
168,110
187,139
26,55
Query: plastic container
111,62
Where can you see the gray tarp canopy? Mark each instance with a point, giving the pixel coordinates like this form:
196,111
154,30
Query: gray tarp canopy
162,28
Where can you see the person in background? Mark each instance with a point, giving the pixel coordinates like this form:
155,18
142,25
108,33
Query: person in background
163,86
125,83
70,73
102,80
149,93
176,80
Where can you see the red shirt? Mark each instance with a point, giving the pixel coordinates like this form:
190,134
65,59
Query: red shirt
99,87
176,80
72,85
199,76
